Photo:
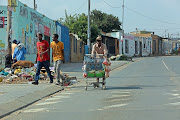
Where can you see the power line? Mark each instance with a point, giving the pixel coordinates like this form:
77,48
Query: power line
110,5
79,7
150,17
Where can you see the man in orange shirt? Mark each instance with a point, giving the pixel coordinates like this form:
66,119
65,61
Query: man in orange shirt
57,57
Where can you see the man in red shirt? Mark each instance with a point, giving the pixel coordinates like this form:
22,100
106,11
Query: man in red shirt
42,58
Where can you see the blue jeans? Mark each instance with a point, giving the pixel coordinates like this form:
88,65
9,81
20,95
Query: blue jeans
39,66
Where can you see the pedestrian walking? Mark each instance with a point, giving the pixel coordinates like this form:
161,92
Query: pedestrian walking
42,58
19,52
99,48
57,57
13,46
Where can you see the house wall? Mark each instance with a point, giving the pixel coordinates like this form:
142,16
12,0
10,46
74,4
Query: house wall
3,35
116,46
63,33
26,23
77,49
155,42
128,45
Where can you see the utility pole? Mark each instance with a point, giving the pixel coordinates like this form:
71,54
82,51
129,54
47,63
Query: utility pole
34,4
9,25
122,26
89,28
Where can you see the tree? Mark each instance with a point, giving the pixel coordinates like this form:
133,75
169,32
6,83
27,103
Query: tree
77,24
100,21
105,22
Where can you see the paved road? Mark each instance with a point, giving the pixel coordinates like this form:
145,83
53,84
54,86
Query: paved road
144,90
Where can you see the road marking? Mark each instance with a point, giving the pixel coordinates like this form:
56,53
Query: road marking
114,106
62,96
165,65
49,99
35,110
121,92
171,94
66,93
47,103
175,94
120,96
174,98
116,100
177,103
174,90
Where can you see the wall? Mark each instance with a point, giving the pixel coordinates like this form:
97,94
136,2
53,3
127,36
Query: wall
116,46
27,22
77,48
111,44
155,38
146,46
63,33
3,35
136,39
128,45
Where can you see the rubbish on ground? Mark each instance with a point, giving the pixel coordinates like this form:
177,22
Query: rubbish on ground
27,75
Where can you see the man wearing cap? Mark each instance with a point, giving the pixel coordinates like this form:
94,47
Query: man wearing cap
13,46
99,48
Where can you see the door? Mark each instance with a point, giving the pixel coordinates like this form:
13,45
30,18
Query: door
140,48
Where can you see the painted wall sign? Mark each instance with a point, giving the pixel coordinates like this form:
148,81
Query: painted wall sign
24,12
1,22
2,12
129,37
36,18
46,31
31,28
41,28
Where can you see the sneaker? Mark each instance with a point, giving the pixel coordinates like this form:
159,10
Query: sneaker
35,83
61,84
51,82
57,83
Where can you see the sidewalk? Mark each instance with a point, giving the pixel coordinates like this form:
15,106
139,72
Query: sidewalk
14,97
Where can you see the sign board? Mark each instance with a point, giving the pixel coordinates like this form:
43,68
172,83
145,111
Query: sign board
1,22
12,3
46,31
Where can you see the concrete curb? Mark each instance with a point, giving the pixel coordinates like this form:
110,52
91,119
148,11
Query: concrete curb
22,102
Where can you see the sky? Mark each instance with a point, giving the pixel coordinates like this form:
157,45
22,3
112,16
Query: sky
159,16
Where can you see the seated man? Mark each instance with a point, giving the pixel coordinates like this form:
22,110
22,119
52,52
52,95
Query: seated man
99,48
